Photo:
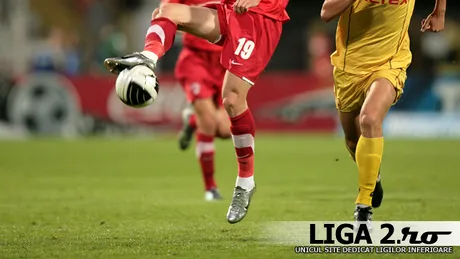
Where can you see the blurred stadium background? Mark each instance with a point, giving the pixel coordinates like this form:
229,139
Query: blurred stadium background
89,177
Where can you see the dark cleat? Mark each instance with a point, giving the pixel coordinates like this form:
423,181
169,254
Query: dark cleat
118,64
186,133
240,204
377,195
363,216
213,195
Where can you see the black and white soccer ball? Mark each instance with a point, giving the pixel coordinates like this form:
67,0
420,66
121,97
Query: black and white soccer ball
137,87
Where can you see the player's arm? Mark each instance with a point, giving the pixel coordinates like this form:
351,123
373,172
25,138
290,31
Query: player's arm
334,8
435,21
440,6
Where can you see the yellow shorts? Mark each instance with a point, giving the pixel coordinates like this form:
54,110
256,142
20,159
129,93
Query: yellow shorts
350,89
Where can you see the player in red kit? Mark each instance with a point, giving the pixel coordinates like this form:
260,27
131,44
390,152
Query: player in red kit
249,31
200,73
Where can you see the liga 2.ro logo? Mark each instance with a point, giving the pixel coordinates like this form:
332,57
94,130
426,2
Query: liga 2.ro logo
398,233
360,234
376,233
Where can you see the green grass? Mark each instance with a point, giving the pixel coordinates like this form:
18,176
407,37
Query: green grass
142,198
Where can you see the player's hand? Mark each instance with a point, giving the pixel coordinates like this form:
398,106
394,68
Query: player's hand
242,6
434,22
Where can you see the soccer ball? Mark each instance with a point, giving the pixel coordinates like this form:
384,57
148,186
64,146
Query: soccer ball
137,87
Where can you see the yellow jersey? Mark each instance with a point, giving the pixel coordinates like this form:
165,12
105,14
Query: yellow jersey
373,35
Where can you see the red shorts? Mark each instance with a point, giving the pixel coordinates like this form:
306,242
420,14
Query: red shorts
249,41
201,74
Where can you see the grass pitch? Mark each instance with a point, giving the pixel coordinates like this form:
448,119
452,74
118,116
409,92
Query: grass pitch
142,198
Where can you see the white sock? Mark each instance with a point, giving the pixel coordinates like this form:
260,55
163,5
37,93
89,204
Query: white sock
150,55
246,183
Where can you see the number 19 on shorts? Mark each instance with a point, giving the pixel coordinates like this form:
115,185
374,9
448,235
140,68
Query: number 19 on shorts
245,48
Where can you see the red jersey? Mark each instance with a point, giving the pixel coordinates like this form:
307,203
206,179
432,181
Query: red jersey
189,40
275,9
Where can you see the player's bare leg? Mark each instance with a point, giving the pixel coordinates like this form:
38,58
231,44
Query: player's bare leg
166,20
213,122
351,128
223,124
234,94
207,123
189,126
369,150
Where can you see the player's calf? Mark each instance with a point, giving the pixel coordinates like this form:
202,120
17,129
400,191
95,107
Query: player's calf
223,132
223,125
377,194
351,148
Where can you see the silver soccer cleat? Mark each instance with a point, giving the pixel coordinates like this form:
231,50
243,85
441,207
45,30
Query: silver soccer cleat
240,204
118,64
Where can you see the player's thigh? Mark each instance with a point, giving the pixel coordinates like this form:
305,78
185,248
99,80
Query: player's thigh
385,90
195,75
379,99
200,94
349,91
389,79
197,20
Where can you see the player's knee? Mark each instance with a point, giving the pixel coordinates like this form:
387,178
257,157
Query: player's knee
231,102
155,13
178,13
234,101
369,121
165,10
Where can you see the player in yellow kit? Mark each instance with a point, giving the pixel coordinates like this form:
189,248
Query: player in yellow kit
370,65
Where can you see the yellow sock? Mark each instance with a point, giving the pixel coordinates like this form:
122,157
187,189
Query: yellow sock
368,158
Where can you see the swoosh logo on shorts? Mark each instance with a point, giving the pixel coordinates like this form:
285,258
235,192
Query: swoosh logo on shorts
235,63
